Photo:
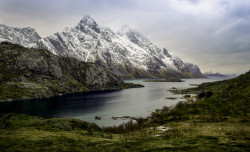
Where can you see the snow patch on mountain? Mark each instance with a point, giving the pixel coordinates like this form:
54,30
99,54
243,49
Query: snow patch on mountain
26,37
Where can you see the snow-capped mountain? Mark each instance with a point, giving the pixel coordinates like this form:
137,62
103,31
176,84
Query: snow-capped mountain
26,37
126,53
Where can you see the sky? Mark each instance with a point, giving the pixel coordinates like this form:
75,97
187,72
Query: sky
214,34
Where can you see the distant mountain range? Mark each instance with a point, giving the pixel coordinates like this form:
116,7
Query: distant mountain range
217,74
126,53
211,74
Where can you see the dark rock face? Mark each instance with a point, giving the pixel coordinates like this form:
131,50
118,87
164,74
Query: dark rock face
38,74
165,51
194,69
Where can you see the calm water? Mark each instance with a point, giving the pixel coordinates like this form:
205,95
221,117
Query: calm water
138,102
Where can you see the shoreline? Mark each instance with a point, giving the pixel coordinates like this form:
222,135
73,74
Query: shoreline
126,86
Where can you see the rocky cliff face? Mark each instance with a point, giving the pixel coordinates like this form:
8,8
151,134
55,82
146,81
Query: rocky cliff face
36,73
26,37
126,53
194,69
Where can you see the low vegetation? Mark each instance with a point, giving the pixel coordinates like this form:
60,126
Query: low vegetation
171,98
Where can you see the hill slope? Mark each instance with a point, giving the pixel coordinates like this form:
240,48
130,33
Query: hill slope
36,73
228,97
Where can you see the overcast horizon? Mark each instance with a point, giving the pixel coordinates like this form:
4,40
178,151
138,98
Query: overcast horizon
214,34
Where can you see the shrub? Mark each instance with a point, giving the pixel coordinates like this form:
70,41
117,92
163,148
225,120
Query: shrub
209,94
123,128
202,94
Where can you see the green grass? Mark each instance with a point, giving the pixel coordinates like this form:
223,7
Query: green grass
29,133
228,98
171,98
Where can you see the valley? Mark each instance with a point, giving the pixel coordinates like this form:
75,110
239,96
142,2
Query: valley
203,125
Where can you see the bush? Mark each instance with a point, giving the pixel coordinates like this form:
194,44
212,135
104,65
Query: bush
202,94
187,96
209,94
123,128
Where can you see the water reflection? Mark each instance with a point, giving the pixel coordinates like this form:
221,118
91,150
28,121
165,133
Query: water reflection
60,106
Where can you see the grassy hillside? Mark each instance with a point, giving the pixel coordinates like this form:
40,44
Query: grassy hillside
27,133
228,98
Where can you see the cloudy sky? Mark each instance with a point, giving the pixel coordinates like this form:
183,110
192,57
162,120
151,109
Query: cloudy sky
214,34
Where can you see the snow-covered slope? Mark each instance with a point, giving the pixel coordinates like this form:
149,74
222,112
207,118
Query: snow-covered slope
127,53
26,37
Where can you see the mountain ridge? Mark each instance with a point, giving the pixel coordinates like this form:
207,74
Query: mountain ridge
26,37
127,54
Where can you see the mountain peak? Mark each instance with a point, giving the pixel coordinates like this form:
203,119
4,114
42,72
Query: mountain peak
87,20
90,22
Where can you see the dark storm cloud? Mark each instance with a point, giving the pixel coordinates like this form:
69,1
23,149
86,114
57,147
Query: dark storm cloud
211,33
